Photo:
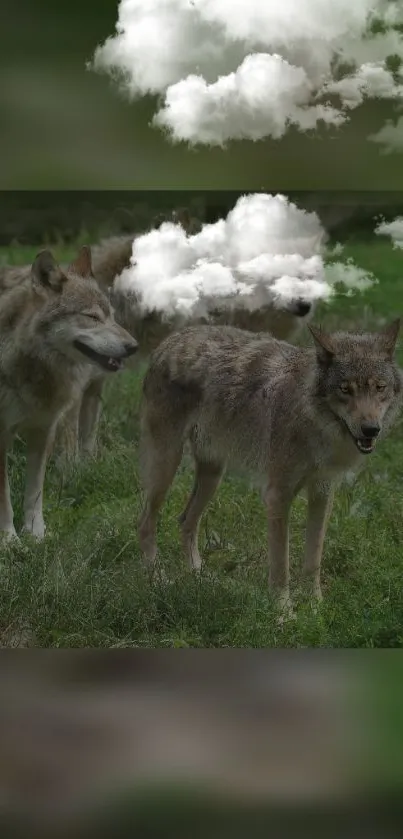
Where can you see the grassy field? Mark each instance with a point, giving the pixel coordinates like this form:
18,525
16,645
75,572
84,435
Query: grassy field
84,585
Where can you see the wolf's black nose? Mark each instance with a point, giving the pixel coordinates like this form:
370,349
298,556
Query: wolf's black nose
131,348
370,429
302,308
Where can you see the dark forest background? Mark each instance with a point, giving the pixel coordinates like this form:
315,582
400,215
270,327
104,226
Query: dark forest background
38,216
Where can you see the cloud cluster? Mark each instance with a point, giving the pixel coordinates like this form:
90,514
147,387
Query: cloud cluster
247,69
267,250
394,229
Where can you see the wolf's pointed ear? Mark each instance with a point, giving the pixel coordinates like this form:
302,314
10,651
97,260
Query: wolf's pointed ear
388,338
324,348
46,272
82,264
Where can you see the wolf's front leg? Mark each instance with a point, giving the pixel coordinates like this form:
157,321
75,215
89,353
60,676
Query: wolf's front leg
6,511
278,512
320,500
39,441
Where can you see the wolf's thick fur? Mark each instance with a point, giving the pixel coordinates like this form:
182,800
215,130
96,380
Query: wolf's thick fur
57,333
298,417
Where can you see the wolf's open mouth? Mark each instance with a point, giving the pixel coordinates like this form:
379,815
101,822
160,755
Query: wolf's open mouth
105,361
365,445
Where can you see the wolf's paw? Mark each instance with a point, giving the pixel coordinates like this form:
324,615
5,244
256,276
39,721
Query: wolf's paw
317,596
161,575
286,617
285,610
156,573
9,536
316,601
36,530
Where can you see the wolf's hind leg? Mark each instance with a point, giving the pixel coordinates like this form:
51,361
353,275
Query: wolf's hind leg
66,437
90,412
207,479
160,456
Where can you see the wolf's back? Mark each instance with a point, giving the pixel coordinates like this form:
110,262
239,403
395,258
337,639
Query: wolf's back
12,274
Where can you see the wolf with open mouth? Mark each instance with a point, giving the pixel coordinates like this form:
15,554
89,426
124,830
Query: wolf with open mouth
299,418
57,335
359,381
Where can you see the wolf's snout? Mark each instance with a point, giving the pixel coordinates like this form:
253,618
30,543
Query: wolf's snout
370,429
302,308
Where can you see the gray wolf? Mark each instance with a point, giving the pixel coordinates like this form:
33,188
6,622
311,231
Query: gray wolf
299,417
56,331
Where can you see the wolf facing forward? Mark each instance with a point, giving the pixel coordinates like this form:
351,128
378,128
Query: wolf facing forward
298,417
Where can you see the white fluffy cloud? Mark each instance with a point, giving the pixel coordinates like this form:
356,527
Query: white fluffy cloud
390,137
234,69
267,250
394,229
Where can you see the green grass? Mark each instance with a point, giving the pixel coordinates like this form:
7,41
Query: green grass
85,585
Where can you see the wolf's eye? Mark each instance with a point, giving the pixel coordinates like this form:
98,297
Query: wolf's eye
380,386
344,388
92,316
